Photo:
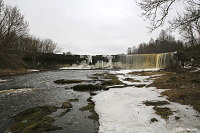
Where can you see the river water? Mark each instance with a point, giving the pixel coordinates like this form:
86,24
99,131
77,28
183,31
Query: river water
37,89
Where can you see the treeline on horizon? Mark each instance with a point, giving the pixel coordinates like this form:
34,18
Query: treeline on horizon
15,36
164,43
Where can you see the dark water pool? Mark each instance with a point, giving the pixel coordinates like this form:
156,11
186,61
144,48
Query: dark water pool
47,92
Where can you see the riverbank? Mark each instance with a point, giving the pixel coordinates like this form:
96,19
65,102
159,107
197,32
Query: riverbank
183,86
144,109
117,101
11,72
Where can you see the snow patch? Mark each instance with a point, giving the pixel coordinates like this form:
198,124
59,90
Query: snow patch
125,71
197,69
2,80
33,70
122,110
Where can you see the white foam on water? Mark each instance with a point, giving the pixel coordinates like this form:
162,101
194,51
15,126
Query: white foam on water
2,80
76,67
16,90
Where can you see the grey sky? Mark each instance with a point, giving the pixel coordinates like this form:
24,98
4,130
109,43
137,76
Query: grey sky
87,26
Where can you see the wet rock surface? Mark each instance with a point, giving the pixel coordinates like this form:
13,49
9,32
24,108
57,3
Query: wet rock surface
88,87
90,107
68,81
35,120
153,120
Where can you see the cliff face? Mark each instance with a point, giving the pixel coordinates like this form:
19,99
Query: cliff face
42,60
11,59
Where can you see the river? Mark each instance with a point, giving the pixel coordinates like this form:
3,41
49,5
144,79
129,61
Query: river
37,89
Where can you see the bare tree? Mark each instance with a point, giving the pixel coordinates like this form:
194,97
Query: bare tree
158,10
129,50
12,25
50,47
191,33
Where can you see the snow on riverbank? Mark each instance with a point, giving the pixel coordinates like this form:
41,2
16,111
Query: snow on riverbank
121,110
2,80
33,70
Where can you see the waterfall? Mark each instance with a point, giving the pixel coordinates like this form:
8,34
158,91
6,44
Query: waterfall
135,61
89,59
144,61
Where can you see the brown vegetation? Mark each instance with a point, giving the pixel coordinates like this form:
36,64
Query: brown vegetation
184,96
8,72
155,103
113,80
148,73
184,87
164,112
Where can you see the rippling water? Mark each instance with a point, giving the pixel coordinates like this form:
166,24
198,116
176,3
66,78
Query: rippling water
21,92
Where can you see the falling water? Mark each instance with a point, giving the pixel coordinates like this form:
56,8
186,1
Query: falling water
135,61
144,61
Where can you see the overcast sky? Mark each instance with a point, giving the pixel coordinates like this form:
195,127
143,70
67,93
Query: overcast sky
87,26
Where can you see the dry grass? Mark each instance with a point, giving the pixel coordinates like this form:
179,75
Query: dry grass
148,73
184,96
184,87
164,112
9,72
155,103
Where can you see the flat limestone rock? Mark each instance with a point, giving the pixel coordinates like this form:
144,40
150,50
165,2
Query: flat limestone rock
66,105
68,81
